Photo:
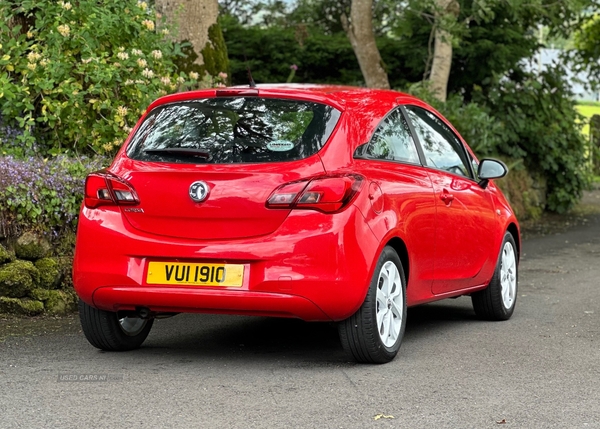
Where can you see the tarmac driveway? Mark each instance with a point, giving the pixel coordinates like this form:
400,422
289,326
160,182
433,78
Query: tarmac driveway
541,369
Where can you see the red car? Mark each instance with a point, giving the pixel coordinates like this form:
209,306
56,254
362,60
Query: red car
324,203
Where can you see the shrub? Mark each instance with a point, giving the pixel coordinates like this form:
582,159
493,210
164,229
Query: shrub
43,194
540,124
76,76
472,120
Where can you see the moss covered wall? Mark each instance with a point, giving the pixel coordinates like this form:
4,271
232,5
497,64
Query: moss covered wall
32,281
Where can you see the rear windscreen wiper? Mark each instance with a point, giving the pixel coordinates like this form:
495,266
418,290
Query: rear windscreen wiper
180,151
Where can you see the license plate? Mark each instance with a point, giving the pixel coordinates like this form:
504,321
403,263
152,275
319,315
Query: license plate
175,273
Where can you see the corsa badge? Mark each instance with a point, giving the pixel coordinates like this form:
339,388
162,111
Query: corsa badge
199,191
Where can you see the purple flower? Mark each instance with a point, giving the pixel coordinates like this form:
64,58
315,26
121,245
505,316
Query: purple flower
43,194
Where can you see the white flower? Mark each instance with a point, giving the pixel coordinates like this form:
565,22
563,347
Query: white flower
128,82
64,30
142,62
136,52
86,61
142,5
33,57
123,55
148,73
66,5
165,31
122,111
31,66
148,24
165,80
194,75
180,79
157,54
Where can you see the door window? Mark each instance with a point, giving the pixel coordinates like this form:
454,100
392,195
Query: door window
443,150
393,141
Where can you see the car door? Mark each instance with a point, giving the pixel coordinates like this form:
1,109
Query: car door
465,212
401,197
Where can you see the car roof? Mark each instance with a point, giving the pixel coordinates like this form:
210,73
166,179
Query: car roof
339,96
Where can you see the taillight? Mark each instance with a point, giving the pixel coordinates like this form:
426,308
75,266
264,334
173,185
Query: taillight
326,194
103,188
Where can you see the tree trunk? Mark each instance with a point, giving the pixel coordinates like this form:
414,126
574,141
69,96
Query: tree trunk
442,51
362,38
195,21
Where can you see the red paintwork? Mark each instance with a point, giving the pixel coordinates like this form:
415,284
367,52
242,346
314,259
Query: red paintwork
299,263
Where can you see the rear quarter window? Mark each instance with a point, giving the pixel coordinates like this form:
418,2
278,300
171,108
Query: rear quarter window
233,130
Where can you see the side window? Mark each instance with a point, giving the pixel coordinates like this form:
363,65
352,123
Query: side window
443,150
393,141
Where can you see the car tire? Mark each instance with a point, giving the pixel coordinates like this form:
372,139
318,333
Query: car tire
374,333
498,300
106,331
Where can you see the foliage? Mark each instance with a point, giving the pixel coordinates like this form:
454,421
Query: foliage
489,39
473,121
540,124
492,37
43,194
75,77
269,52
587,53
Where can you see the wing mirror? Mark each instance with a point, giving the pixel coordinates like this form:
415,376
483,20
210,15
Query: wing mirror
490,169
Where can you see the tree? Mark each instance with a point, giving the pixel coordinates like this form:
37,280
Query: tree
195,22
359,29
442,51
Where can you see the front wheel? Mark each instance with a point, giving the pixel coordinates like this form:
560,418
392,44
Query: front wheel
374,333
498,300
108,331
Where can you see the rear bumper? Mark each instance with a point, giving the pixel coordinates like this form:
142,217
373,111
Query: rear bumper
178,300
314,267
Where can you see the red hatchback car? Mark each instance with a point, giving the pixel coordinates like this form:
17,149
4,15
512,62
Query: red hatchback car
324,203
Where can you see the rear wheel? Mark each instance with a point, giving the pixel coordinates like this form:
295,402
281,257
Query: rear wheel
108,331
498,300
374,333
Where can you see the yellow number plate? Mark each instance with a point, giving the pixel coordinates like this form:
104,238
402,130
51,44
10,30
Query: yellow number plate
175,273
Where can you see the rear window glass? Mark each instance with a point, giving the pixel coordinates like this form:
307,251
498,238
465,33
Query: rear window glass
233,130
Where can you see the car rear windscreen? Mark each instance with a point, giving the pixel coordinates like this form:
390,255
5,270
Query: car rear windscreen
233,130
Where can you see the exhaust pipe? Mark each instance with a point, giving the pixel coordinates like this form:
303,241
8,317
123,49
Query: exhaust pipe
143,312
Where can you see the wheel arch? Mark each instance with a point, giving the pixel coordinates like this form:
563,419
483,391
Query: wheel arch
399,246
514,231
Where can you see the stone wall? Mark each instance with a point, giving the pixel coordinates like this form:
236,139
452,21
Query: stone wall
32,281
525,190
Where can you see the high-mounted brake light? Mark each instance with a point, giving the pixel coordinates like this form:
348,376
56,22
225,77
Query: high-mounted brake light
237,92
326,194
103,188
